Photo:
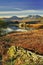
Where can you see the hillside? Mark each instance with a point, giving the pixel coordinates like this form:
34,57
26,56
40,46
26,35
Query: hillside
22,48
31,40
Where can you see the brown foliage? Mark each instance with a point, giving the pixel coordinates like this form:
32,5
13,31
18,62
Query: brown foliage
31,40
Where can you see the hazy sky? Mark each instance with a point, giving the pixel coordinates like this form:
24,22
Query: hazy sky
20,7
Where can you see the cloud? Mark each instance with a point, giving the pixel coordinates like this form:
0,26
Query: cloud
21,13
18,8
9,8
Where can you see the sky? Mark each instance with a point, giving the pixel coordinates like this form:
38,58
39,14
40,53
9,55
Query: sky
10,8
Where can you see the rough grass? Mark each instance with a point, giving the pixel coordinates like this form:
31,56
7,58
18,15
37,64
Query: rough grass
30,40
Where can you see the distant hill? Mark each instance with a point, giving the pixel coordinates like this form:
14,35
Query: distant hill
13,18
29,18
32,18
22,18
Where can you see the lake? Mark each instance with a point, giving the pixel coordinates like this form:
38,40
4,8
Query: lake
10,29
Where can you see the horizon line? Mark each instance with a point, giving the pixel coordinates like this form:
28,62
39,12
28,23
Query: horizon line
22,13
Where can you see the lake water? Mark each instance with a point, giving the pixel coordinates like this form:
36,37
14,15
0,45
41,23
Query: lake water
14,28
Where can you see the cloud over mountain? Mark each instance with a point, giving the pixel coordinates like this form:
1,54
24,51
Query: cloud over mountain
20,13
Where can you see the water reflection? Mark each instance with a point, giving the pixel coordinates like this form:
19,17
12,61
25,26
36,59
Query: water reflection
13,29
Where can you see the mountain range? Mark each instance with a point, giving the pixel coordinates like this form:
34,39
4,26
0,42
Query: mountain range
13,18
30,18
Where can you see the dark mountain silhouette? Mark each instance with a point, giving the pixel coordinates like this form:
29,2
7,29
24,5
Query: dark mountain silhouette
15,18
